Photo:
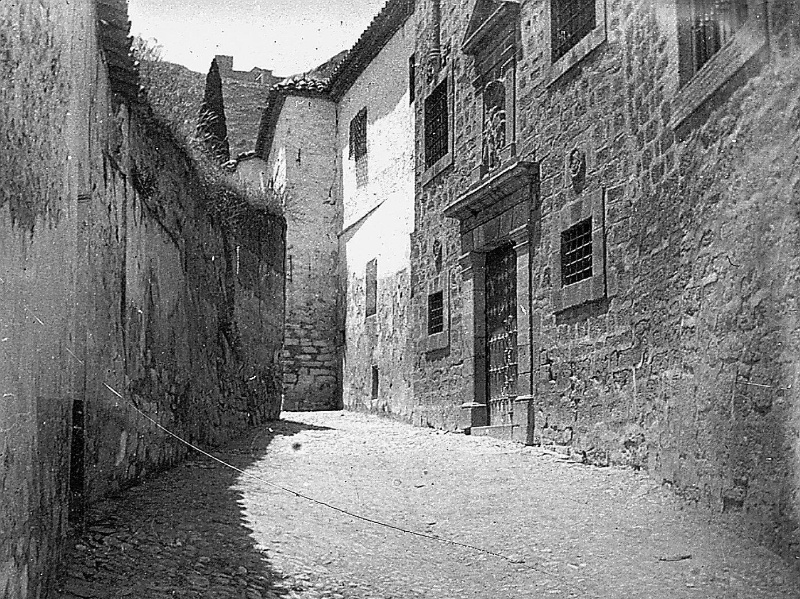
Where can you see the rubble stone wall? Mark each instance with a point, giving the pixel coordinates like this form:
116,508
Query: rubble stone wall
302,167
111,273
185,313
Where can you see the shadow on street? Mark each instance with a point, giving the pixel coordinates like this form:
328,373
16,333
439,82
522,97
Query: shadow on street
179,534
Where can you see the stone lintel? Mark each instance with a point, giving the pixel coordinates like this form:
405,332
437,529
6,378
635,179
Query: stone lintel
499,185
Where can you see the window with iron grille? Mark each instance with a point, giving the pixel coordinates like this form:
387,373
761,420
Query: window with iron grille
570,22
709,25
436,125
576,253
372,287
358,135
435,313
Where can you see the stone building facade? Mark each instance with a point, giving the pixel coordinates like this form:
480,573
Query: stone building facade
339,151
299,166
602,251
613,200
125,293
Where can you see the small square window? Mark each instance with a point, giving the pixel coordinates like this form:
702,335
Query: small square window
577,256
435,313
576,253
570,22
372,287
436,125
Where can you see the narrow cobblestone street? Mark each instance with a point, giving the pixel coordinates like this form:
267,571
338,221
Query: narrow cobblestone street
564,529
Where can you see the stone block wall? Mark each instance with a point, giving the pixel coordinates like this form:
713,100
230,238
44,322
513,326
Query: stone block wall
116,272
303,170
185,313
686,364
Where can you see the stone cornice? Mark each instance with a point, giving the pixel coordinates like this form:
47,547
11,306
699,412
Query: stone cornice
494,188
506,13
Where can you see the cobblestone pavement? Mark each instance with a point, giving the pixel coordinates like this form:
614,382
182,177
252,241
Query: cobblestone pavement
564,529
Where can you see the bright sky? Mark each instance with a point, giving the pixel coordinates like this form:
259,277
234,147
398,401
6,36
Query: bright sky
287,36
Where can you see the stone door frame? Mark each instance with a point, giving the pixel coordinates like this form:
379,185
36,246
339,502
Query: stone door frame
495,213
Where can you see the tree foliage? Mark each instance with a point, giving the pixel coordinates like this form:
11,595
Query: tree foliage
211,127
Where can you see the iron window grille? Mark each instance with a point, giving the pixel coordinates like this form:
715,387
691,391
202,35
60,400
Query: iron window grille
576,253
435,313
570,22
712,24
358,135
372,287
436,125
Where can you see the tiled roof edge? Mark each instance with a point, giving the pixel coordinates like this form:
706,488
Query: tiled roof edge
293,86
385,24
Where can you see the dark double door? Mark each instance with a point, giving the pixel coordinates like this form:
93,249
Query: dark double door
501,334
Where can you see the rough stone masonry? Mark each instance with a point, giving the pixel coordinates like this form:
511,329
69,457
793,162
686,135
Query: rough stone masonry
126,285
685,360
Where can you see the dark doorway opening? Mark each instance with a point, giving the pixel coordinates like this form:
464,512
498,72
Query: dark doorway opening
501,333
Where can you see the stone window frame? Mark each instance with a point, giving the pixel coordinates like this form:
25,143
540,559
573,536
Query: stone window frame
744,45
590,205
430,173
579,51
435,322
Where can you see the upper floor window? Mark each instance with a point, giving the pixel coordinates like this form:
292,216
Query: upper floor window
707,26
570,22
358,135
436,124
358,145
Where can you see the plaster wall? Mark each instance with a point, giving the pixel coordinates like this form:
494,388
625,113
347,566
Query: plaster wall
378,220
